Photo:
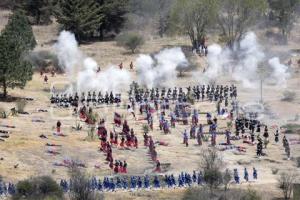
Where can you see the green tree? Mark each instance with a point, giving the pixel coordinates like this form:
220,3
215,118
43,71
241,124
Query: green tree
194,17
235,17
38,188
82,17
15,41
39,10
284,14
18,26
114,15
131,41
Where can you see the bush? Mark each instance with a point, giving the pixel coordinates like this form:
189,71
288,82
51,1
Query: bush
197,194
3,113
286,182
146,128
80,189
131,41
211,164
275,170
288,96
21,104
298,162
251,195
39,188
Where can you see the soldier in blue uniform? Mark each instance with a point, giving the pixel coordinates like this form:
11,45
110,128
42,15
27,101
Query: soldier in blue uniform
100,186
139,183
119,183
124,183
156,182
254,173
246,175
200,178
236,176
146,182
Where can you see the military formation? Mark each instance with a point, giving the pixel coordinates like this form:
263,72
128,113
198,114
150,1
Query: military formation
184,179
89,99
199,92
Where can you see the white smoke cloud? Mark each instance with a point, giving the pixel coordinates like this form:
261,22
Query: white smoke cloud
84,70
68,53
161,68
241,63
280,72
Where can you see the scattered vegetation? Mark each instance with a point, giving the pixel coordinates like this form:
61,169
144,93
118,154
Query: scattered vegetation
298,161
211,165
234,194
131,41
80,189
146,128
20,105
286,183
288,96
292,128
3,113
275,171
39,188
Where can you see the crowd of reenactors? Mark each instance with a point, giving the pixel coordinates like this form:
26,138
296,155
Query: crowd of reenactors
184,179
199,92
89,99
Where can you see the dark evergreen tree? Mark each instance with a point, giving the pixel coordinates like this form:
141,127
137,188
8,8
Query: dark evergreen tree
19,27
39,10
114,12
82,17
15,41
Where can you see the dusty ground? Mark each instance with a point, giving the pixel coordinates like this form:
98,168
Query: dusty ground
28,150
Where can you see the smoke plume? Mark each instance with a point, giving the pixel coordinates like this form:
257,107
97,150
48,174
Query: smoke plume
242,62
161,68
84,70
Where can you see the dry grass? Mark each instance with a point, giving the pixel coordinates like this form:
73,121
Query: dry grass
28,150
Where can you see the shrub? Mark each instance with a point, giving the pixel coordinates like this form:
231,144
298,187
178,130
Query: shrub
288,96
197,194
131,41
286,182
38,188
251,195
3,113
80,188
274,170
211,164
298,162
21,104
146,128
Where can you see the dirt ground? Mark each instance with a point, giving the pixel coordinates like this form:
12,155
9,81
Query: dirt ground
27,150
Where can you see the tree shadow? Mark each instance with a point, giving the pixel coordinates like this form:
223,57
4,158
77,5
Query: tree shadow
9,98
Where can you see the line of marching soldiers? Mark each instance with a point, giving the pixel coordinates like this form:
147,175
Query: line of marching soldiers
184,179
67,100
106,145
137,182
211,92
